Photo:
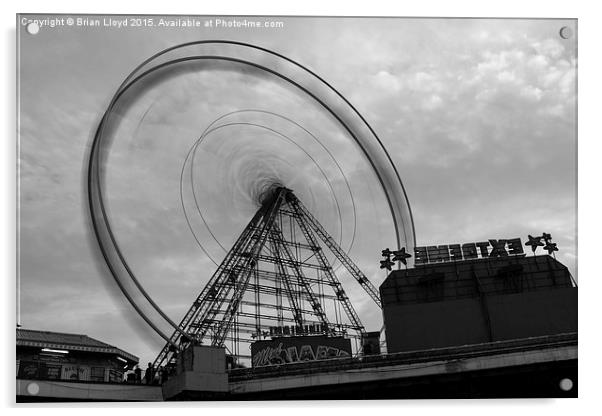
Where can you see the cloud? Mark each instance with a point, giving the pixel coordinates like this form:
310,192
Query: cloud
478,116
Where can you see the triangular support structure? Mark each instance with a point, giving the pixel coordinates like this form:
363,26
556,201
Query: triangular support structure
276,280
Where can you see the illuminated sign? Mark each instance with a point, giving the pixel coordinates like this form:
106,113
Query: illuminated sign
299,349
467,251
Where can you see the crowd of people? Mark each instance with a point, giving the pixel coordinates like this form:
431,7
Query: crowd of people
151,376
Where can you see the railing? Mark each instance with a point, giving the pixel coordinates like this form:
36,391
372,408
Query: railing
411,357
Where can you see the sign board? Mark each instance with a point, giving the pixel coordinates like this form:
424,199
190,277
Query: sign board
467,251
297,349
298,330
75,372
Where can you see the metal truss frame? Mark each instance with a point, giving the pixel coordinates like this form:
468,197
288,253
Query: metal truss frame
287,294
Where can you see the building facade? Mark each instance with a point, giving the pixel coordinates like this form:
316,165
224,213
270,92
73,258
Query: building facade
44,355
476,301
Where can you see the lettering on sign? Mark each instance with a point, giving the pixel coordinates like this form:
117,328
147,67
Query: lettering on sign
468,251
298,330
292,350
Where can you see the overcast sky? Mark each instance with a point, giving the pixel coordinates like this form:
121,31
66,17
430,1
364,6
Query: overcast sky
478,116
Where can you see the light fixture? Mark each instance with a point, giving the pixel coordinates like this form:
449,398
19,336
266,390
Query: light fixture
55,351
121,359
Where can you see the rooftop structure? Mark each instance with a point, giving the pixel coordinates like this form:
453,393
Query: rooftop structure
476,301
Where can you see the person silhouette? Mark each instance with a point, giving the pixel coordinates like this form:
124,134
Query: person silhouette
138,373
149,374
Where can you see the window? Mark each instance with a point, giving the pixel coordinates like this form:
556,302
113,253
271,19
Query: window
97,374
53,372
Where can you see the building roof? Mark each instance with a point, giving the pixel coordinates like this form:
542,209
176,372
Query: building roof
69,342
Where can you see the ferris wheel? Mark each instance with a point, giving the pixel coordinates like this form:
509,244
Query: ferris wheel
233,186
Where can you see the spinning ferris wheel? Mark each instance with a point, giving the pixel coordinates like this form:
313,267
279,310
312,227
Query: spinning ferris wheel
231,178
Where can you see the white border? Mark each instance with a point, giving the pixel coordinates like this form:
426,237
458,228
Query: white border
589,189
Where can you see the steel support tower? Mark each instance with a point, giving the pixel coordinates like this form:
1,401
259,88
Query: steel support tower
276,279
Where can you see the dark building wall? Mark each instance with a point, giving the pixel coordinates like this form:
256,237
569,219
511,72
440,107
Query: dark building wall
532,314
429,325
476,301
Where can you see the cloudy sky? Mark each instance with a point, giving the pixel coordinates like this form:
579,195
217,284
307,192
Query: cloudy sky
479,117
